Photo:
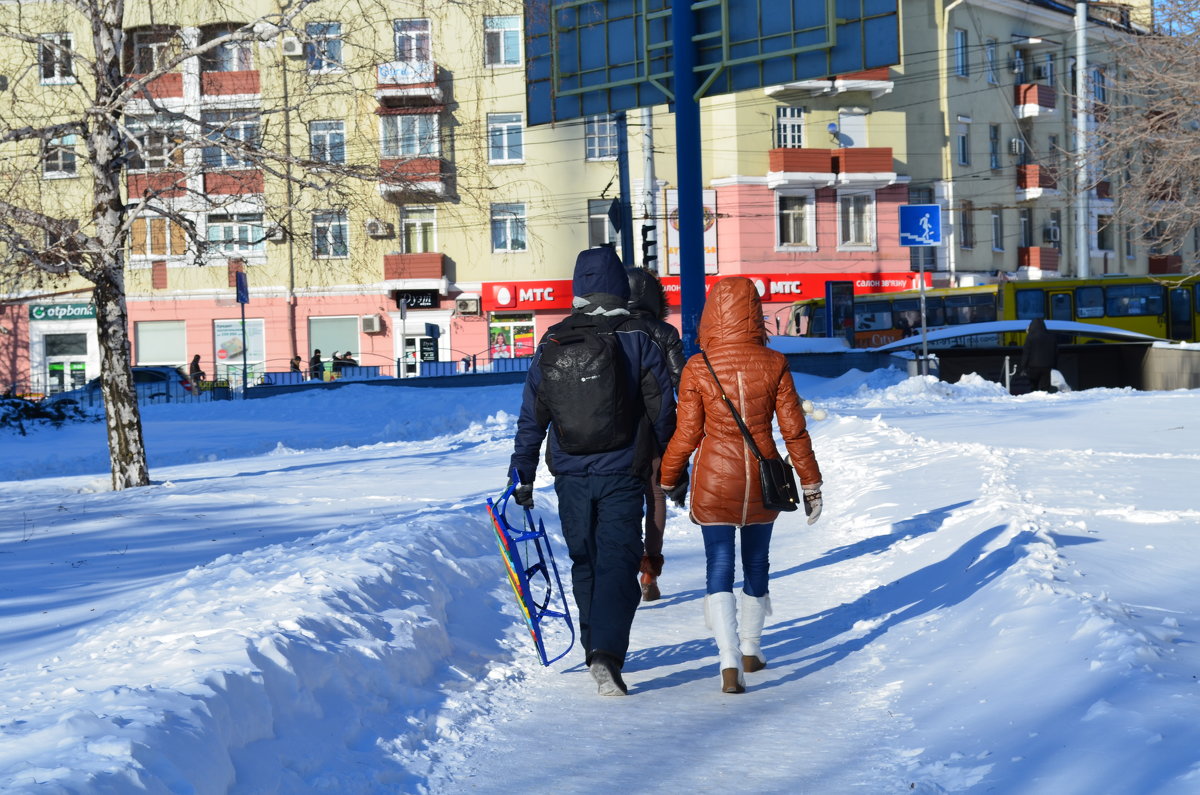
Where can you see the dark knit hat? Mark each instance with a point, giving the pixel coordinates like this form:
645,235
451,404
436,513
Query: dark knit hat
599,270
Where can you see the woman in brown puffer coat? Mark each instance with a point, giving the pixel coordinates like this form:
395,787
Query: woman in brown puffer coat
726,494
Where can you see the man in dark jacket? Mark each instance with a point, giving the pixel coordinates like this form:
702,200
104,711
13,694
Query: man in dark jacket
648,303
1040,355
601,494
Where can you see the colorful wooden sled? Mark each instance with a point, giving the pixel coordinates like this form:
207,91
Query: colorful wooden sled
517,545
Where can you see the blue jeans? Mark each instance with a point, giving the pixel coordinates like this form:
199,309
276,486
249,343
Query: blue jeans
719,557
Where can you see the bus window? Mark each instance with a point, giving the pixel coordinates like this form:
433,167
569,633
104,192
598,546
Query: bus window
962,309
935,312
816,322
1089,302
983,308
1181,313
1030,304
1060,306
906,314
1126,300
872,316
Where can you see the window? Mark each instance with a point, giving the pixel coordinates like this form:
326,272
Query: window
1099,86
962,66
994,146
232,56
997,229
1047,75
157,143
789,127
1104,232
323,50
505,138
58,157
508,227
962,141
413,40
1018,67
152,49
976,308
600,137
502,41
327,141
966,238
1030,304
160,341
989,52
1025,227
1126,300
1089,301
331,234
235,233
232,132
600,227
54,58
856,219
796,221
852,126
872,315
1054,230
156,236
418,226
409,135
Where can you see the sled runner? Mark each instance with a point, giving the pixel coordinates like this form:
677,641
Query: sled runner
542,576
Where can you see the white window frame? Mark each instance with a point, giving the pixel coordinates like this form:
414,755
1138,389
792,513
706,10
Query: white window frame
867,220
1025,228
808,220
412,40
232,56
327,140
418,223
506,132
55,51
1105,228
852,126
600,137
600,227
966,222
500,48
1099,85
241,233
229,125
995,148
325,50
160,141
789,127
997,228
989,55
327,227
962,141
59,160
152,49
169,238
962,60
408,135
509,228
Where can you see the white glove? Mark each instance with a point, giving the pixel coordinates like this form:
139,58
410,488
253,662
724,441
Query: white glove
812,503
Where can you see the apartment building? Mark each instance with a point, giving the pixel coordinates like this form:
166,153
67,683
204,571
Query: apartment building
460,240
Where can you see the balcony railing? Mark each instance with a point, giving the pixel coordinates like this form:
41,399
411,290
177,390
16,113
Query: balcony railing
415,175
407,82
863,159
1042,257
1034,99
165,86
429,265
227,83
1166,263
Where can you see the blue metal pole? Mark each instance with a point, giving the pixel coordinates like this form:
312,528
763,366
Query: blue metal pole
627,255
689,166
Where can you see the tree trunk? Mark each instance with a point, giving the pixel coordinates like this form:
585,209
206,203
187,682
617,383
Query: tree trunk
123,419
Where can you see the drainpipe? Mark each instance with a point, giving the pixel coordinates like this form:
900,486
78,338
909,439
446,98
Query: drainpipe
951,241
1082,244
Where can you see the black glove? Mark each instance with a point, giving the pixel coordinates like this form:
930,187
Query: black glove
523,494
678,492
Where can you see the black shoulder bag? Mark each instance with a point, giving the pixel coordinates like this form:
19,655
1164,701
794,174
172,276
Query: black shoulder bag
775,474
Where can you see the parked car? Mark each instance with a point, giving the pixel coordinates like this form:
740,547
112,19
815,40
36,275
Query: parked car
153,383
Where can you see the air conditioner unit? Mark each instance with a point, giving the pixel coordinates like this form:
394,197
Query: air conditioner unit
1053,234
291,46
372,324
467,306
276,234
1016,146
377,228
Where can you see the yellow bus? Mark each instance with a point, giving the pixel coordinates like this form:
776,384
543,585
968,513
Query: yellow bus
1167,307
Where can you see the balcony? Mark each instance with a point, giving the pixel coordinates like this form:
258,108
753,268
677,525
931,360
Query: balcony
1103,189
414,177
1034,181
866,167
800,168
1166,263
1034,99
223,84
407,83
1040,257
168,86
233,183
406,267
162,184
876,82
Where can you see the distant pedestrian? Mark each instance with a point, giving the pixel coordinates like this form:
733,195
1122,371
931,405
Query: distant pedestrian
316,367
297,364
195,372
1039,355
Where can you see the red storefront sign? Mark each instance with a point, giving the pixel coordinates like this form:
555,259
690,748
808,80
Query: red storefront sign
773,288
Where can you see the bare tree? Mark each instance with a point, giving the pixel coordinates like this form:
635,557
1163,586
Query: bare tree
1147,135
97,126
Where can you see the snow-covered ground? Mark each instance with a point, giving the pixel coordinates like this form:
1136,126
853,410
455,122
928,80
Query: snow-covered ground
1003,595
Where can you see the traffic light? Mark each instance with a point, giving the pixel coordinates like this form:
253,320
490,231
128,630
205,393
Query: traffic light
649,248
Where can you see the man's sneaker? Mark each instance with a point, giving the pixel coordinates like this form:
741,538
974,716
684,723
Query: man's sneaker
607,675
650,590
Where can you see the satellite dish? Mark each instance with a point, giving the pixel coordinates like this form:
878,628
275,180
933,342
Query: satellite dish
833,128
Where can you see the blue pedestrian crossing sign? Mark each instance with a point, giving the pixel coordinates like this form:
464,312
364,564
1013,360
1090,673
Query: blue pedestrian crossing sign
920,224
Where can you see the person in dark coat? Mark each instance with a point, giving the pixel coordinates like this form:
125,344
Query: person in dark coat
601,496
1040,355
316,367
648,303
195,371
297,363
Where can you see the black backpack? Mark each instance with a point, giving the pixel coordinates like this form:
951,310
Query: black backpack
583,385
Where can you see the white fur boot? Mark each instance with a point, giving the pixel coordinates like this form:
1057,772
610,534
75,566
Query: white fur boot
755,610
720,613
